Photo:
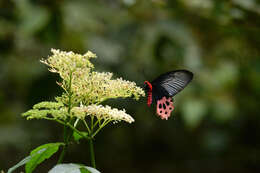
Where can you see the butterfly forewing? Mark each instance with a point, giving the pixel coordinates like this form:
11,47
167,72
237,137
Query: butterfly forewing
173,82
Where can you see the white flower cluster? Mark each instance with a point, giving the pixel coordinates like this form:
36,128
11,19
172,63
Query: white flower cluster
89,88
108,113
65,62
96,87
102,113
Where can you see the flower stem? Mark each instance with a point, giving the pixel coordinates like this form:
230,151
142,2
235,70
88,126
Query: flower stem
73,128
92,154
86,124
67,131
61,157
100,127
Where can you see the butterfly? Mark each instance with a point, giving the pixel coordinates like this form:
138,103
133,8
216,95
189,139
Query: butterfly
163,88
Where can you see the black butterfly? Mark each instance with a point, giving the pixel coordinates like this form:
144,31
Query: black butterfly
163,88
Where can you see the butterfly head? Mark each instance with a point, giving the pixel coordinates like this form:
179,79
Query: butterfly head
148,86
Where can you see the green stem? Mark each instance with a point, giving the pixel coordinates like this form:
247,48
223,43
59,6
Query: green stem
86,124
77,131
73,128
76,122
70,94
64,148
92,127
67,131
61,157
92,154
100,127
97,122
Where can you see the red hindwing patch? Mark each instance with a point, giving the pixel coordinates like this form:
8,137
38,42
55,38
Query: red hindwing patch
165,107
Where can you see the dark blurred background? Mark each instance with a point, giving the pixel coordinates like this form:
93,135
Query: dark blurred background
215,126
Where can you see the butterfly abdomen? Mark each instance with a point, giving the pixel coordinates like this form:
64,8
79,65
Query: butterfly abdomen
149,93
149,100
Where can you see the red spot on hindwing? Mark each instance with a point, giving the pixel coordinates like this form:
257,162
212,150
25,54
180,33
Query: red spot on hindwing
164,107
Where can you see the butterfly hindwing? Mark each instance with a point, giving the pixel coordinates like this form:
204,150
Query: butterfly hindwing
164,107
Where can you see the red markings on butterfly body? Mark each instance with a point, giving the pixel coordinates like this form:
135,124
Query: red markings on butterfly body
149,93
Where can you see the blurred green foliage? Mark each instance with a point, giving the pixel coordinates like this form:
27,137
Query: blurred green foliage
215,125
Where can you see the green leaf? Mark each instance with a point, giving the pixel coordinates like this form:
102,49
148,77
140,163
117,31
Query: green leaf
21,163
84,170
77,137
38,151
41,153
